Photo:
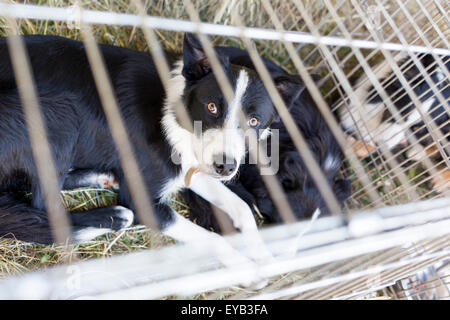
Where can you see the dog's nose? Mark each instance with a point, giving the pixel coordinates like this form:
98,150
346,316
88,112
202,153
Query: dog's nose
223,166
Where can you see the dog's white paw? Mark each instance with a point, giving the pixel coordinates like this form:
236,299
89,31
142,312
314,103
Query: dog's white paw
264,257
256,282
126,216
89,233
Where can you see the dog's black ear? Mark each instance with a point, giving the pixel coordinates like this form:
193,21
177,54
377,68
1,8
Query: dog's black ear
290,87
196,64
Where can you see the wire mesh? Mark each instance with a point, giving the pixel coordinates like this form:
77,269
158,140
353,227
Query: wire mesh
400,179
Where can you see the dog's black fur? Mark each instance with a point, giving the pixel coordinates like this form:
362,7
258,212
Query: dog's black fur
297,183
78,132
76,126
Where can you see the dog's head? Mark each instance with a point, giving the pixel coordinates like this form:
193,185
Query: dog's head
217,145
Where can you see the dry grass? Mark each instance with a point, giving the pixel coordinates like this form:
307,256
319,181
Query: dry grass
17,257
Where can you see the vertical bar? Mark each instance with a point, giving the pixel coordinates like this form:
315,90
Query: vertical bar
48,178
138,190
180,110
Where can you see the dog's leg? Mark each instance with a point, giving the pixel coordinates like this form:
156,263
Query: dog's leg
184,230
181,229
24,222
93,223
80,178
240,213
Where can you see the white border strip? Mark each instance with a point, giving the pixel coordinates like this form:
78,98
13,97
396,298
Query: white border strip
155,273
68,14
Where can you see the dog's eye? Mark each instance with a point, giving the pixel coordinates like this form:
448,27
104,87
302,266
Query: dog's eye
212,108
253,122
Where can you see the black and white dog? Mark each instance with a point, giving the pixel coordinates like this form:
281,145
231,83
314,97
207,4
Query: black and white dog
295,179
80,138
373,123
379,124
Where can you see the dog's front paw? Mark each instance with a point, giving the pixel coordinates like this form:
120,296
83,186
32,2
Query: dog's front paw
258,259
256,247
256,281
114,218
96,222
120,218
